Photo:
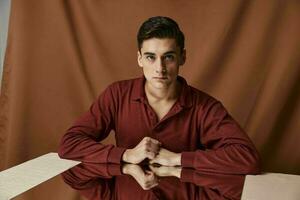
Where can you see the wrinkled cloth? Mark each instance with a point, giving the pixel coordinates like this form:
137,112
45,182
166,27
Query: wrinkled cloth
198,126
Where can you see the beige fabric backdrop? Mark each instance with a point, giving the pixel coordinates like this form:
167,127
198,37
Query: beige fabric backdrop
62,53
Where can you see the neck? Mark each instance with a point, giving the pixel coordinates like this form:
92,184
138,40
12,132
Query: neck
169,93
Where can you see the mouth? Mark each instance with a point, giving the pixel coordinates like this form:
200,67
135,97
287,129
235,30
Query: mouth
160,78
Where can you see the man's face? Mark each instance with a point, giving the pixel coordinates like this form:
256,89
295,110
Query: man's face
160,60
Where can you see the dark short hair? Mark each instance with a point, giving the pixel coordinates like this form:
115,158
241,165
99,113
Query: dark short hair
160,27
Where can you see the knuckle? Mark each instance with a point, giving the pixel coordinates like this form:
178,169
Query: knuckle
149,155
144,186
145,149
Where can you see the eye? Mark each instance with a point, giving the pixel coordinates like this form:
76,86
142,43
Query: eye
150,57
169,57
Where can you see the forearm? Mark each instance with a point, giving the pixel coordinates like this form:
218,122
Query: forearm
91,188
82,140
232,159
228,149
80,146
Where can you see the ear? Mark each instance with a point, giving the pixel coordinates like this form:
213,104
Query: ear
139,58
183,57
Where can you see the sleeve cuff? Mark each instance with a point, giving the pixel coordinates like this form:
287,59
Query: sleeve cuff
115,155
114,170
187,175
187,159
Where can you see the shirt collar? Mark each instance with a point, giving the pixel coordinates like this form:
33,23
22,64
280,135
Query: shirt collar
184,99
138,92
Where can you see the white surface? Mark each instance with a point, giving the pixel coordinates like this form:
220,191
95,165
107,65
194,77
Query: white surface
4,17
273,186
27,175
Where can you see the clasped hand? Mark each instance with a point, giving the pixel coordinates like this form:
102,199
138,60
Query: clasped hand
151,149
149,178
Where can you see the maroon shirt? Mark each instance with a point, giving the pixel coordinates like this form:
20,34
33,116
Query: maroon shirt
106,182
198,126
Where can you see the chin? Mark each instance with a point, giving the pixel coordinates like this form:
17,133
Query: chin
160,85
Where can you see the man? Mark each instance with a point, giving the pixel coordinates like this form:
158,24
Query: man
159,118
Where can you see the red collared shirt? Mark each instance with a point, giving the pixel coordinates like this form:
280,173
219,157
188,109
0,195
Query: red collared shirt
198,126
106,182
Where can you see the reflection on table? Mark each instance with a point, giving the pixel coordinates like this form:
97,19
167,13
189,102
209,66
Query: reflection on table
128,181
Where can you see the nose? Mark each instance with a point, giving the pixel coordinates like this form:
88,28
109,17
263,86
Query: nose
160,67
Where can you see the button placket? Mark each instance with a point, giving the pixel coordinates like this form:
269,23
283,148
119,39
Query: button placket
158,128
159,125
175,111
152,116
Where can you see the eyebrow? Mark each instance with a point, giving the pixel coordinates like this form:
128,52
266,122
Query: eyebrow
149,53
168,52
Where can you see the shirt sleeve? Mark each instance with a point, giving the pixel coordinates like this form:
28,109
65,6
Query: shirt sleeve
227,148
227,186
93,181
82,140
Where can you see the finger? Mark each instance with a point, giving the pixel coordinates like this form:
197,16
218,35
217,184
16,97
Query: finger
155,147
148,172
154,150
157,162
156,142
150,155
153,169
151,178
156,159
150,185
154,185
151,140
153,161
